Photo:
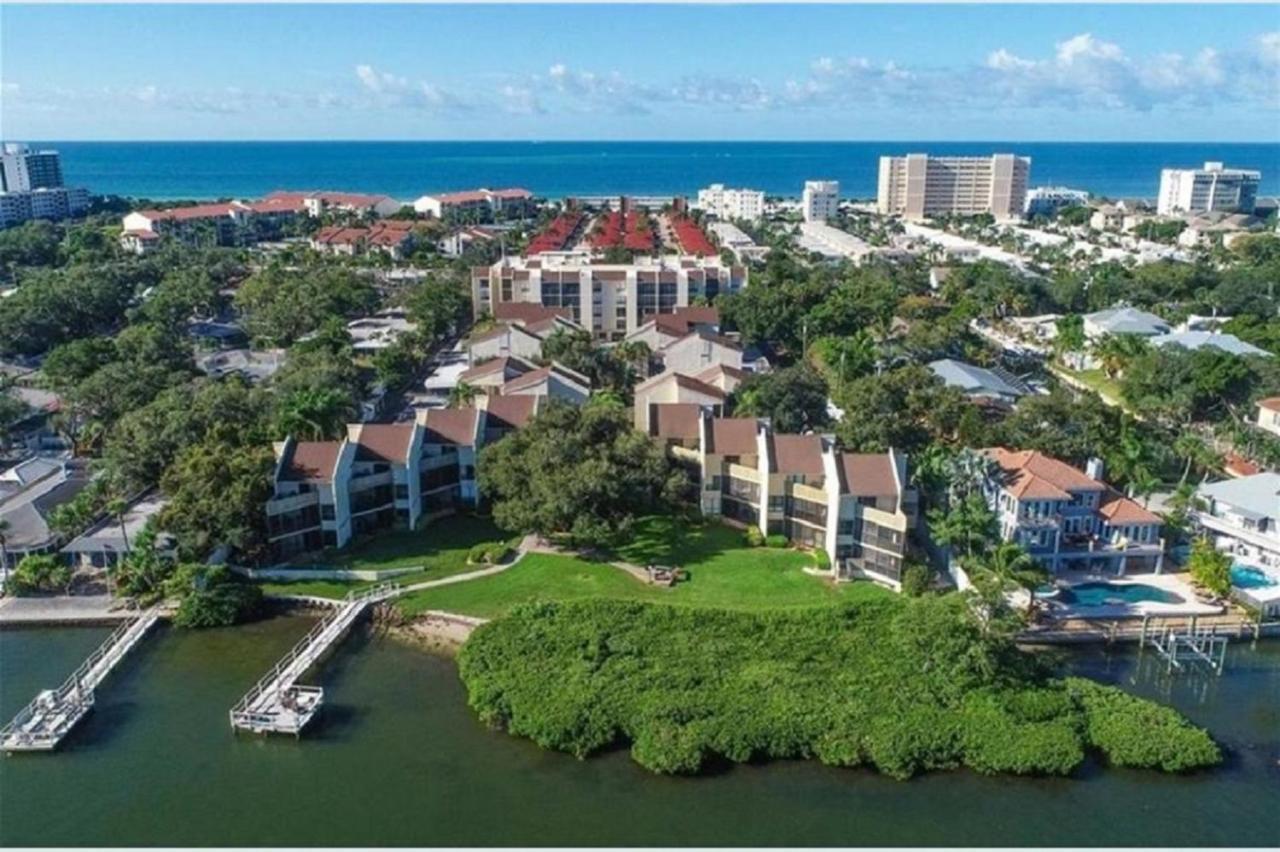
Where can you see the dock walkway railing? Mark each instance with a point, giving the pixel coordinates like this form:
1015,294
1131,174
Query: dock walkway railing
51,715
276,703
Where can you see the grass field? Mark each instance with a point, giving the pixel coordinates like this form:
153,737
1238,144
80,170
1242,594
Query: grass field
440,548
722,572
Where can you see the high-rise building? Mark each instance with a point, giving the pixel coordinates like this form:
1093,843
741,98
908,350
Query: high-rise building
22,170
728,204
1207,190
918,186
820,200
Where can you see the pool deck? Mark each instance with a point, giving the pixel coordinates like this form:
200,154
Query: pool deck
1174,583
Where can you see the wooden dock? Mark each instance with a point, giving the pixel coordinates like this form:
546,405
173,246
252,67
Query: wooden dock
42,724
276,703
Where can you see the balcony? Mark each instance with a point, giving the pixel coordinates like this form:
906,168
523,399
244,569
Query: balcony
283,505
1221,526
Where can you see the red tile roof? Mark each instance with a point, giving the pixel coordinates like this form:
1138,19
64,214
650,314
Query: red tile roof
1118,509
1033,475
557,235
196,211
1271,403
691,238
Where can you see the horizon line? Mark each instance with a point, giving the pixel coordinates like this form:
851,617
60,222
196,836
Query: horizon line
671,141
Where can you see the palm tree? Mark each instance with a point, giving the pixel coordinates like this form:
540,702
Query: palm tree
1115,351
314,414
462,395
969,525
1132,459
1194,450
1009,567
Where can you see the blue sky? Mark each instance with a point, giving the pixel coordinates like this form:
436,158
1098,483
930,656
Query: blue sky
641,72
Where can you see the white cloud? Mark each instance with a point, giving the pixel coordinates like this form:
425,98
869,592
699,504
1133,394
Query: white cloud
388,89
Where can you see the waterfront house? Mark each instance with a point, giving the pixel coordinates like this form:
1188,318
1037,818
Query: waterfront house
1069,519
112,538
1243,517
29,492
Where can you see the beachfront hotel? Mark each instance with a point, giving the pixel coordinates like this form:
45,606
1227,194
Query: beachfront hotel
611,300
727,204
820,200
919,186
1211,189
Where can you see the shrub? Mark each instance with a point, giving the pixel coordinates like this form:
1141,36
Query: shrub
754,537
39,573
776,540
488,553
822,560
1210,569
905,685
916,580
212,596
1134,732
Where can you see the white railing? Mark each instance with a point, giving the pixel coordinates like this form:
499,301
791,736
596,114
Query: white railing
281,677
50,715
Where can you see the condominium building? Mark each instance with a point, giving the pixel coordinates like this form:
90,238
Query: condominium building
479,205
1213,188
856,508
727,204
820,200
1048,200
379,476
1068,519
919,186
24,170
52,204
610,300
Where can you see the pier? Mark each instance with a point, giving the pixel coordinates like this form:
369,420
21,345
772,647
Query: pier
1196,646
42,724
277,704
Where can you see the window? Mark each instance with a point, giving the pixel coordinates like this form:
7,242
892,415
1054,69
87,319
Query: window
327,512
402,492
776,504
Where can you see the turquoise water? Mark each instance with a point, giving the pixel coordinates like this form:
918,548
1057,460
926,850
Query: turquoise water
405,170
1245,577
1101,594
398,759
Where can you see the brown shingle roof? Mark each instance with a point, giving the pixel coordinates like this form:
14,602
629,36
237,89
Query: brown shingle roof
527,312
510,412
533,377
384,442
684,381
312,461
495,365
1033,475
868,474
798,454
1271,403
733,436
675,420
712,373
455,426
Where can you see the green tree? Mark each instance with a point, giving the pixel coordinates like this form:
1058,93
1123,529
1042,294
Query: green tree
1008,566
216,496
462,395
211,596
583,474
1210,569
313,414
793,398
968,526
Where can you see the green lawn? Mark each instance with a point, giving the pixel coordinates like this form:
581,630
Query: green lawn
722,572
440,548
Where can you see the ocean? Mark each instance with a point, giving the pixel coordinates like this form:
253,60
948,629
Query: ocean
405,170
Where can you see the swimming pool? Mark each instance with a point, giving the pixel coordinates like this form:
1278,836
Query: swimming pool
1248,577
1115,594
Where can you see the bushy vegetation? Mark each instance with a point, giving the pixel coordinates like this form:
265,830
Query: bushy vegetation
211,596
488,552
904,686
38,573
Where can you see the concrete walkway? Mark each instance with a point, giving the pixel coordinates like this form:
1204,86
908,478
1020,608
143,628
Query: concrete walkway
88,609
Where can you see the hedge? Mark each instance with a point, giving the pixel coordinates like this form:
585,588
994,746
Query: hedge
902,685
488,553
